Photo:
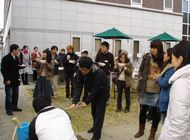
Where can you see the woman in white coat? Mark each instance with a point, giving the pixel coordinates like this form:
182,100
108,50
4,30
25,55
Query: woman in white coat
177,123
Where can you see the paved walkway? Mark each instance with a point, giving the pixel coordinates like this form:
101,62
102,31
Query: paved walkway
122,132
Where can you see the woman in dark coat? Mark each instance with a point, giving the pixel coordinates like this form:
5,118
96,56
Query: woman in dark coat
148,87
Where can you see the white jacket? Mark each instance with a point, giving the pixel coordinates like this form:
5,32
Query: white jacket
177,123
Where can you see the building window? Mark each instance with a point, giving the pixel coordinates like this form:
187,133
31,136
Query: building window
185,6
97,44
184,38
184,29
185,17
135,51
168,45
136,2
168,5
117,47
76,44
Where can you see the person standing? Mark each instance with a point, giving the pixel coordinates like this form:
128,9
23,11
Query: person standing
70,61
25,59
10,70
56,59
35,55
124,70
177,122
105,60
163,81
61,69
96,81
149,89
44,68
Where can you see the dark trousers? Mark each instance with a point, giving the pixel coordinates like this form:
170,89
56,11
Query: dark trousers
24,77
11,98
98,109
121,85
34,75
68,80
108,86
155,115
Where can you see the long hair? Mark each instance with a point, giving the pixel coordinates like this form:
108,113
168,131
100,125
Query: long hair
182,49
126,57
159,46
49,56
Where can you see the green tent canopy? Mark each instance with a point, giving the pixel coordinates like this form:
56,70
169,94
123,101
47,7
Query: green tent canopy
164,37
112,34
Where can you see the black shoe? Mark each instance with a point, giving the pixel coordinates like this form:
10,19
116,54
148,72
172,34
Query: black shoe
91,130
127,110
118,110
17,109
10,113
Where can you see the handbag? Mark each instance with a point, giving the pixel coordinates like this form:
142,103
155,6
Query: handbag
115,76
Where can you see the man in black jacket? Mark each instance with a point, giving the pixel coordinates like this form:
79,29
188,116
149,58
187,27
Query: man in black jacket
10,71
70,68
105,60
96,82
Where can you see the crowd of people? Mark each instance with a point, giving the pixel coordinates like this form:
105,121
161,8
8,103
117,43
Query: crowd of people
162,87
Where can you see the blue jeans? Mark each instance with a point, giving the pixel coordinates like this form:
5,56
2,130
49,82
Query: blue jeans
11,98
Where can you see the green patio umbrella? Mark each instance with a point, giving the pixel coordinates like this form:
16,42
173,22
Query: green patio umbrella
113,34
164,37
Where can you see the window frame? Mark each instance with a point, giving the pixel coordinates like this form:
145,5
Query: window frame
136,3
72,41
95,44
168,9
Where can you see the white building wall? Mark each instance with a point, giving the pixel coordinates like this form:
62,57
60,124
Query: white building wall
44,23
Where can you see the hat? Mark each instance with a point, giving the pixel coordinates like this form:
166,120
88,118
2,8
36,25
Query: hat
84,51
85,62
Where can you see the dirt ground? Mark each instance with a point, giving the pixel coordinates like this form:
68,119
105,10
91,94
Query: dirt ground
117,126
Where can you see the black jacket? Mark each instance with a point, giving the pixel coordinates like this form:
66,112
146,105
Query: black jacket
95,82
10,69
56,66
69,67
108,59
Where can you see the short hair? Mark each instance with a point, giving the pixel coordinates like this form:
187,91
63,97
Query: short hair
70,47
35,48
182,49
63,49
54,47
106,44
13,47
24,47
41,102
85,62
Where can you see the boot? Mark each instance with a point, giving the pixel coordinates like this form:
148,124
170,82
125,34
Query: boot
152,133
141,131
